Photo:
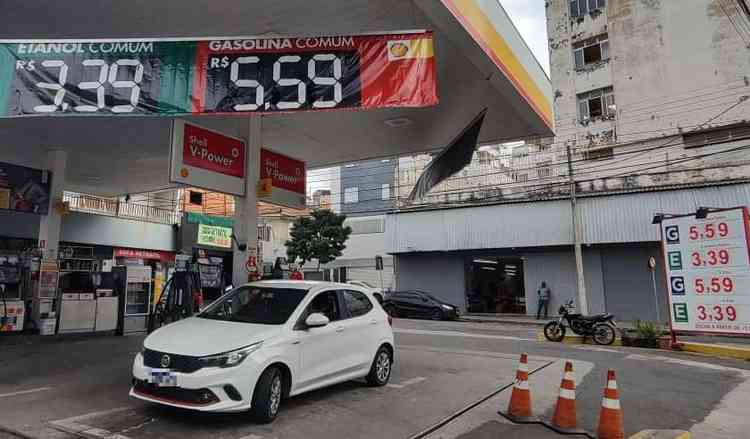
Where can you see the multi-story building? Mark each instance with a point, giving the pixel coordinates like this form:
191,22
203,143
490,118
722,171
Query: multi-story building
651,100
367,187
656,90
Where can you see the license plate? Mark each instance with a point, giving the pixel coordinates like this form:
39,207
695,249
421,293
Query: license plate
163,378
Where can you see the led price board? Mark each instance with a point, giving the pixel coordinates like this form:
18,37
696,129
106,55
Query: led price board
708,272
226,76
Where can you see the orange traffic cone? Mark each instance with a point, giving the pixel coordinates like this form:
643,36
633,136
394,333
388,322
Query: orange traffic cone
520,399
610,417
565,410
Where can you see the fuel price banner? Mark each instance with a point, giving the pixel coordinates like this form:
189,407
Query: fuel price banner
224,76
708,272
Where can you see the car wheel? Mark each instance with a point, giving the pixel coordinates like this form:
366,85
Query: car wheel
437,315
380,371
267,396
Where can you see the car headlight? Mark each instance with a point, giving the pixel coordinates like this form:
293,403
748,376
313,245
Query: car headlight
231,358
448,307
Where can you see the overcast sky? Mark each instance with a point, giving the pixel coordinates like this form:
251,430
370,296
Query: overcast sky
528,16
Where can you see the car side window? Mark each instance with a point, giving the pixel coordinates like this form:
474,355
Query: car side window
326,303
357,303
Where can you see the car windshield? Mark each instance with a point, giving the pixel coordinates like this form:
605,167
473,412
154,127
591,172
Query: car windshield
267,306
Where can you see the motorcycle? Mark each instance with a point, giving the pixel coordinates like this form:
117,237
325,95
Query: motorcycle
600,327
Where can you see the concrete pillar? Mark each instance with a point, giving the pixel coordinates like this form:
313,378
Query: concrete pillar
245,208
49,225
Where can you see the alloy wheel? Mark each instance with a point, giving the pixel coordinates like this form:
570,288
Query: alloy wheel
383,366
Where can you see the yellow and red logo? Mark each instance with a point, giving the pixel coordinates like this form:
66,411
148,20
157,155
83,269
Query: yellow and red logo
410,49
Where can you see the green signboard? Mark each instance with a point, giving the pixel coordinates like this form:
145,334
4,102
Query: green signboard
214,236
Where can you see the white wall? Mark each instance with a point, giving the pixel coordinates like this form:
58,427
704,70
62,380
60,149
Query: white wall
674,65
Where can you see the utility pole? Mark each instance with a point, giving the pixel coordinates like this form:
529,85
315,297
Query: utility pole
582,302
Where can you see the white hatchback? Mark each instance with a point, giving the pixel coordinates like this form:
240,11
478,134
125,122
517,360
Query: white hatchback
263,342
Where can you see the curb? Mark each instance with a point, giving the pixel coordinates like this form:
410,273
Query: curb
661,434
480,319
577,339
737,352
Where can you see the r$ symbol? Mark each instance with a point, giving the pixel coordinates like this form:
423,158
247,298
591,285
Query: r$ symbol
222,62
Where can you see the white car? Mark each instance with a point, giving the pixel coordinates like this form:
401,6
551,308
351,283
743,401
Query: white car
263,342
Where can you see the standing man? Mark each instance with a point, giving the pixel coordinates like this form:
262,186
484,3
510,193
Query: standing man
543,296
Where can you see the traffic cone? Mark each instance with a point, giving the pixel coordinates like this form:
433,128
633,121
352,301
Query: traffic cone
520,399
565,410
610,417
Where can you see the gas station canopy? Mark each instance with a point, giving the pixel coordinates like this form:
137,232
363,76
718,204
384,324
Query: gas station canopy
481,61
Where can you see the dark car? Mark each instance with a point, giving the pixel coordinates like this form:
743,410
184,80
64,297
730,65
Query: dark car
415,303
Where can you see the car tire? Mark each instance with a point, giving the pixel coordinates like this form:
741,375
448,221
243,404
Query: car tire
437,314
267,396
382,366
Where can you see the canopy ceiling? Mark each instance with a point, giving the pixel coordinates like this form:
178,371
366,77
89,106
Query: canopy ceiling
116,155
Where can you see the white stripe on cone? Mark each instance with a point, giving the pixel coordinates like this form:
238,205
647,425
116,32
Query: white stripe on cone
612,384
569,376
567,394
523,385
613,404
523,367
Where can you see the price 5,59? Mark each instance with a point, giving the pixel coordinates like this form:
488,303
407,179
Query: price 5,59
708,231
714,285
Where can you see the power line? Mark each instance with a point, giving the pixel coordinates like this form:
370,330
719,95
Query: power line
548,186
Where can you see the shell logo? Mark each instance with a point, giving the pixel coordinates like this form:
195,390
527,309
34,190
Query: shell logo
399,50
184,172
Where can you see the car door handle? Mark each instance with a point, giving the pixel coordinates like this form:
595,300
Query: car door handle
340,329
373,322
296,342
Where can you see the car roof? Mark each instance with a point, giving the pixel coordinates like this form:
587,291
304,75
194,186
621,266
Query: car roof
299,284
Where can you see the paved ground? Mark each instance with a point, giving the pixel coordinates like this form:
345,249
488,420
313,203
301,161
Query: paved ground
443,368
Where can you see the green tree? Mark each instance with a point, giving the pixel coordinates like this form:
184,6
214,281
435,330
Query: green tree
320,236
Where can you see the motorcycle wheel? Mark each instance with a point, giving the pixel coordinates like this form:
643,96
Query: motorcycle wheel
554,331
604,334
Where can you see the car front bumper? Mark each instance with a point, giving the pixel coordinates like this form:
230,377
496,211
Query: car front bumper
210,389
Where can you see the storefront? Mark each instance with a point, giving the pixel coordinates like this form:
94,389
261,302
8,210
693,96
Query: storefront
160,262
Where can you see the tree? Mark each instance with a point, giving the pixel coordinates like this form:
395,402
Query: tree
321,236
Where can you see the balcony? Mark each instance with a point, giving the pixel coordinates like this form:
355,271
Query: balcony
116,208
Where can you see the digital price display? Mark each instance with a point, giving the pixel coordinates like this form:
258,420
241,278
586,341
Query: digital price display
708,272
172,78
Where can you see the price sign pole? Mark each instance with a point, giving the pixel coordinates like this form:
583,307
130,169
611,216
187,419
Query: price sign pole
707,265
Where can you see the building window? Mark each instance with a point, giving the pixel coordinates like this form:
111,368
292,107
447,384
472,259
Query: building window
597,104
522,178
196,198
592,51
351,195
385,191
544,170
264,232
580,8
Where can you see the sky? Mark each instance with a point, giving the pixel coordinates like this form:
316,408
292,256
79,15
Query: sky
529,18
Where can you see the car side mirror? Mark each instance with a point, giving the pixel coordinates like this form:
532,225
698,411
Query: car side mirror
316,320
